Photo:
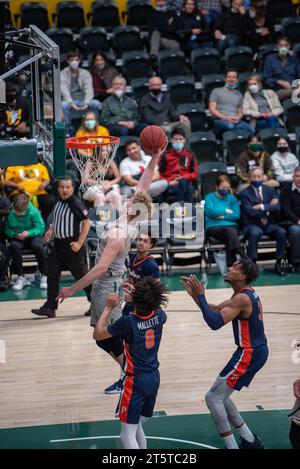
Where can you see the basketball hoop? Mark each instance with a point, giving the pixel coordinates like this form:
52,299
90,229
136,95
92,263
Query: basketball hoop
92,156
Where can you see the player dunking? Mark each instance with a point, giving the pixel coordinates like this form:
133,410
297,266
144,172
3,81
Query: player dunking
245,311
114,245
141,331
141,264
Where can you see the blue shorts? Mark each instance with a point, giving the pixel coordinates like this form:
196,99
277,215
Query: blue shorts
243,366
138,396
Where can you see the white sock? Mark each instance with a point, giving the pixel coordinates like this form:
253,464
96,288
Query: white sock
230,442
246,433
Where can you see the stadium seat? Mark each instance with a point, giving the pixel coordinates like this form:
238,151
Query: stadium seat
243,78
204,146
270,137
234,142
62,37
93,39
197,115
263,53
136,64
126,39
205,61
104,13
240,58
296,50
291,28
139,87
181,89
209,82
292,114
208,172
172,61
34,13
139,12
69,15
278,9
7,15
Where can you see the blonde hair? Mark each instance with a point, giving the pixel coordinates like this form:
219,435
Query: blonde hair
255,77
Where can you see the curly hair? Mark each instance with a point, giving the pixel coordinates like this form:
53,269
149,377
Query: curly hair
149,294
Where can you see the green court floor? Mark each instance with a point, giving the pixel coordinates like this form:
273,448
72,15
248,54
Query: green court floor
266,278
163,432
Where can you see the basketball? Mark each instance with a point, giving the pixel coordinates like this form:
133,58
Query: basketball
153,139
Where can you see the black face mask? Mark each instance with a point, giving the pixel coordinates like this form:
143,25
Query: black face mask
11,98
156,92
282,149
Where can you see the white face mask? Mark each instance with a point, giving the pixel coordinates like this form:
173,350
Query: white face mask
253,88
90,124
252,14
119,93
74,64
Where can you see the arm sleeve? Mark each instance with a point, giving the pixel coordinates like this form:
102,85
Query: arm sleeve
249,211
235,207
120,327
268,73
152,269
146,112
193,170
212,318
107,118
79,209
211,209
124,168
278,171
38,224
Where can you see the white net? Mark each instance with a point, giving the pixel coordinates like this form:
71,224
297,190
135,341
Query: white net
92,156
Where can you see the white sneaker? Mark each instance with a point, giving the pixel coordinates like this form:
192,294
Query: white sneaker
43,283
21,282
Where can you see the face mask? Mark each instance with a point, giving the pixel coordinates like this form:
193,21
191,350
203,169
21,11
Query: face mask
161,8
283,50
252,14
256,184
99,67
119,93
230,87
90,124
253,88
156,92
178,146
254,147
282,149
223,192
74,64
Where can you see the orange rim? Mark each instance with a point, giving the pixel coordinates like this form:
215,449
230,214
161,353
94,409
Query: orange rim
82,143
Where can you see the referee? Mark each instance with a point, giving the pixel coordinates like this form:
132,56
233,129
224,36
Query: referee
69,229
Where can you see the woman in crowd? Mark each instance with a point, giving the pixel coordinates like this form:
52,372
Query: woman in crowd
263,106
193,29
254,155
284,162
102,75
222,213
90,126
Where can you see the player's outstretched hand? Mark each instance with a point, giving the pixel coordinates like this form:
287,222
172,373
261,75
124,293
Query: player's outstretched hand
64,293
112,300
188,288
193,286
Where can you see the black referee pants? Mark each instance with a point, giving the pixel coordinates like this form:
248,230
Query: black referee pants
61,258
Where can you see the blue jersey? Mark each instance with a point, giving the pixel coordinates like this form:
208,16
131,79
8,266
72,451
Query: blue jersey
142,268
249,333
141,336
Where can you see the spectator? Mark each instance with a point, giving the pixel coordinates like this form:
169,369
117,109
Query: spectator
119,112
179,168
24,228
254,155
281,69
290,202
90,126
193,30
222,213
34,180
261,26
294,434
4,262
163,26
102,75
231,28
284,162
76,90
68,252
225,104
15,115
108,191
263,106
261,210
4,205
156,108
132,168
212,9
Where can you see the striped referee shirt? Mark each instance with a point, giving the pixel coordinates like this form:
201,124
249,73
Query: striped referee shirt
67,218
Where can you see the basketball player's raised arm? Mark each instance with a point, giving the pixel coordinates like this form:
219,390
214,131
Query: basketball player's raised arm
115,243
147,176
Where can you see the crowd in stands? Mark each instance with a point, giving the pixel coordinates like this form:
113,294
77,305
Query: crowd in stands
262,198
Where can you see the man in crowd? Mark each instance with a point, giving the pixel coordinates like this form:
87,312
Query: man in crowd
163,26
14,119
290,202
